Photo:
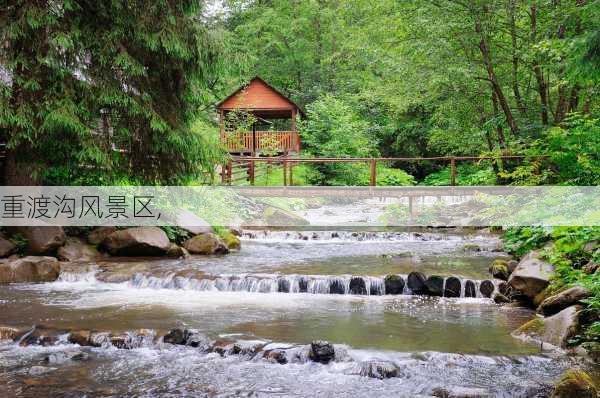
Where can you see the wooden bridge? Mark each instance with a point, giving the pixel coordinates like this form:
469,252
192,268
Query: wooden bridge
246,168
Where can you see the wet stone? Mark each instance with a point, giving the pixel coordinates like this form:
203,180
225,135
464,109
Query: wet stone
486,288
303,285
80,337
39,336
452,287
460,392
321,351
175,336
358,286
283,285
336,287
416,282
435,285
505,289
394,284
276,356
470,290
379,369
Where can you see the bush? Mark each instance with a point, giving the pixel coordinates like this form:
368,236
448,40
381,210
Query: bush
568,254
333,129
466,174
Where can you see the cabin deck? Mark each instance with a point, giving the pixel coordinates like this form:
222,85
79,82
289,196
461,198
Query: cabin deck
261,141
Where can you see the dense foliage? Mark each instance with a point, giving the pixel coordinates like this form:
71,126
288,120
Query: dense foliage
410,78
569,249
439,78
94,91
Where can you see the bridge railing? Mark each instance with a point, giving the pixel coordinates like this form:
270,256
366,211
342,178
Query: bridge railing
252,163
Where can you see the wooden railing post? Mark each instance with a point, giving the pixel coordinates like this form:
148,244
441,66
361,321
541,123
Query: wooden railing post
373,172
229,171
452,171
223,173
285,173
251,172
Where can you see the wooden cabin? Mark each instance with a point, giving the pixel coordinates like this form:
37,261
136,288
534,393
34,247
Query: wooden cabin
273,127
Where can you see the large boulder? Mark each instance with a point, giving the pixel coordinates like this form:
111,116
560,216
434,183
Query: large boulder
75,249
556,330
191,223
6,247
575,383
562,300
96,236
207,243
139,241
30,269
43,239
532,275
276,217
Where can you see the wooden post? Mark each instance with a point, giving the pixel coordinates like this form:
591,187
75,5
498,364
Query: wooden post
291,174
223,173
373,172
285,173
229,171
452,171
251,172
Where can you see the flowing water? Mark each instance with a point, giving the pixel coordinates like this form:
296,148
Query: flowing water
284,289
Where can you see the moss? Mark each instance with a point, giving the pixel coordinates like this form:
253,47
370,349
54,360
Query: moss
499,269
232,241
541,296
575,383
535,325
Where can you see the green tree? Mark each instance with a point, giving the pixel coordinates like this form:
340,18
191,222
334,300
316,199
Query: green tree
84,75
333,129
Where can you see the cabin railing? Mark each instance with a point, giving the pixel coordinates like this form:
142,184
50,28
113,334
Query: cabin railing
262,141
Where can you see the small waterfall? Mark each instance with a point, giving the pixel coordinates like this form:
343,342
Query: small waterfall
355,236
311,284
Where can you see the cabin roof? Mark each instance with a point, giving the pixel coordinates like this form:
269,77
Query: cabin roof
260,98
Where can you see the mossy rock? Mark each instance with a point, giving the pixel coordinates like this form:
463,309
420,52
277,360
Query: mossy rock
499,269
535,325
232,241
543,295
575,383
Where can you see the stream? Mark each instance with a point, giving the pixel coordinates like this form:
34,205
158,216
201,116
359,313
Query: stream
283,289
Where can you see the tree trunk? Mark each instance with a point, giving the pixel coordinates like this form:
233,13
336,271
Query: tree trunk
487,60
515,58
537,70
499,129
